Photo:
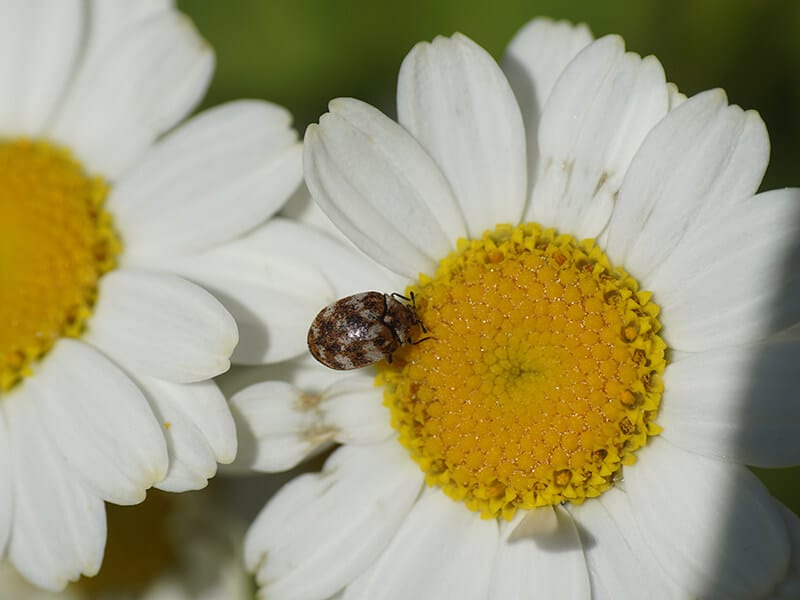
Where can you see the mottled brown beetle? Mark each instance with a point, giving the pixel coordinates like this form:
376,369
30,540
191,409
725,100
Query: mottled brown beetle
359,330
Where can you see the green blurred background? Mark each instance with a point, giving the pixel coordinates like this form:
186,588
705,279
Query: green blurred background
302,53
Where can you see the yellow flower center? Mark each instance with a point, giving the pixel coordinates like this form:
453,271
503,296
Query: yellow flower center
541,377
55,242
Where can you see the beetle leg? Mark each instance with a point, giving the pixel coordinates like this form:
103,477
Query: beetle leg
406,298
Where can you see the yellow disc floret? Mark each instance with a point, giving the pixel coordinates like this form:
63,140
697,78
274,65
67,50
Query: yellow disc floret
55,242
541,376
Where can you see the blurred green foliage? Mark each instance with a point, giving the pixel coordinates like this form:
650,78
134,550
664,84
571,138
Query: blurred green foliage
302,53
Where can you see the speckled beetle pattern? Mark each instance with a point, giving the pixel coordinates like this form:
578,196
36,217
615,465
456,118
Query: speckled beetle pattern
359,330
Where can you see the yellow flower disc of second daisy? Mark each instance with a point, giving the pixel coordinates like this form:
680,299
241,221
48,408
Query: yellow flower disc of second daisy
55,242
541,376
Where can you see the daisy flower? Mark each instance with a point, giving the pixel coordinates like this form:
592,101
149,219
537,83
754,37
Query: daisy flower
107,348
605,301
170,547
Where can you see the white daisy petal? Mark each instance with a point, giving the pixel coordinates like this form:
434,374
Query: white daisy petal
109,18
257,164
599,112
455,100
676,98
733,279
162,326
198,428
344,268
322,530
440,551
274,287
59,529
550,566
116,447
40,42
279,425
619,562
379,187
533,62
301,208
711,525
7,489
139,87
702,157
736,404
789,588
353,406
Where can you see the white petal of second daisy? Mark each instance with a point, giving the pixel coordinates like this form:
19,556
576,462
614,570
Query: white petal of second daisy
442,550
100,422
279,425
378,185
215,177
322,530
535,57
599,112
145,82
354,407
198,428
733,278
737,404
549,566
59,529
702,157
40,42
162,326
711,525
453,97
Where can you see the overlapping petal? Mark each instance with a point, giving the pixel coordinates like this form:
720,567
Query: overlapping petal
280,425
732,544
59,528
257,164
456,102
600,110
144,82
700,159
40,46
111,18
380,188
533,61
197,426
547,566
736,404
99,422
161,325
322,530
619,562
437,552
732,278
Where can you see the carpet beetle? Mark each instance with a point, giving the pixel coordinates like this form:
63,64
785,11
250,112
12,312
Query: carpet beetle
359,330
